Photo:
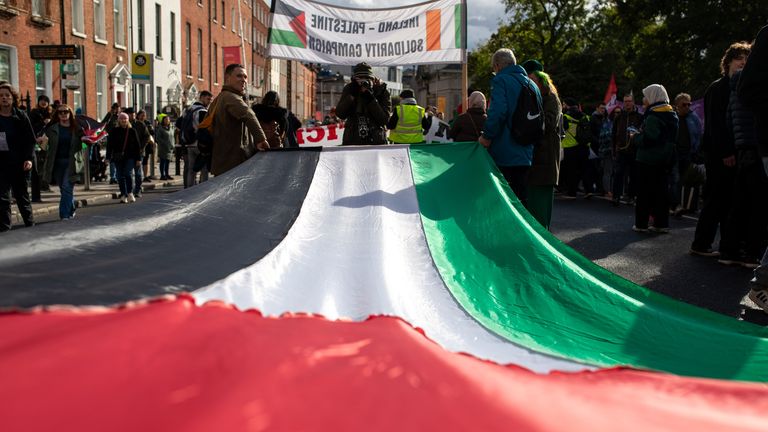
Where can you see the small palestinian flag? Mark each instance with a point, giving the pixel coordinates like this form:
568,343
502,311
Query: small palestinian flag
288,26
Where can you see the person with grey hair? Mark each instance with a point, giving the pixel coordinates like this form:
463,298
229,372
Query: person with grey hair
511,156
655,157
469,124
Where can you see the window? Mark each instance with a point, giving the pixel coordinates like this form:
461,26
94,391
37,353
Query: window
140,24
215,62
158,98
41,77
5,64
213,11
199,53
223,14
158,30
77,100
78,21
119,24
232,21
173,36
38,8
188,48
99,26
101,90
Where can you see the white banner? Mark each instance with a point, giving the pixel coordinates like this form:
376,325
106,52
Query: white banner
427,33
327,135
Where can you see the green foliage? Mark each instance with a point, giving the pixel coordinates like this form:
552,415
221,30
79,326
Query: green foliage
675,43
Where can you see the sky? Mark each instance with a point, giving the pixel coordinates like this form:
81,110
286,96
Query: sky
482,15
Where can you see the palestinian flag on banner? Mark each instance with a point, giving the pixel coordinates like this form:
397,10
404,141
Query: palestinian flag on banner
444,28
349,288
288,26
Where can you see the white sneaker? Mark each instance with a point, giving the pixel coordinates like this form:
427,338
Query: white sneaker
760,297
131,198
123,199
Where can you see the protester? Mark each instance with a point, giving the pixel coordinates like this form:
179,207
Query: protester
545,168
141,130
149,147
164,139
719,153
623,151
110,121
408,121
575,148
124,149
365,106
293,124
688,141
512,157
192,117
469,124
605,151
40,117
273,119
17,149
593,170
655,146
753,91
237,134
63,140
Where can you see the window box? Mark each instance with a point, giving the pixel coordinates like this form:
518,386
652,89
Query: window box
40,21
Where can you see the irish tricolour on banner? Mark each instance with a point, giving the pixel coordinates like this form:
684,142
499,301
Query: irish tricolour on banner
426,33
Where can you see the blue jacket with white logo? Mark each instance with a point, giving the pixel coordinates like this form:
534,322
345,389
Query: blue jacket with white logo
505,89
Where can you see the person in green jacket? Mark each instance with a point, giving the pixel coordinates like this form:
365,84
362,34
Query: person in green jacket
64,140
655,158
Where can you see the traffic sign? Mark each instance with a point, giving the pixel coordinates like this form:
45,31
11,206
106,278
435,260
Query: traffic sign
71,84
54,52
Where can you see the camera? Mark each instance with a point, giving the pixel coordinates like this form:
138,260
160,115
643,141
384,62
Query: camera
366,84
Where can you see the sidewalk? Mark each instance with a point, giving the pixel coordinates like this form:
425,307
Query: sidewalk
100,192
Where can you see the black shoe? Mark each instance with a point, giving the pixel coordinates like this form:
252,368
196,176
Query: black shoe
146,180
29,223
113,181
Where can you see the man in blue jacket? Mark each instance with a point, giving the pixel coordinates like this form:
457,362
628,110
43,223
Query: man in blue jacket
513,158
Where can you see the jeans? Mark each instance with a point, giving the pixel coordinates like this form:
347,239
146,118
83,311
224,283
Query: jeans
651,196
138,173
717,204
165,164
112,171
622,168
125,171
190,176
67,202
607,168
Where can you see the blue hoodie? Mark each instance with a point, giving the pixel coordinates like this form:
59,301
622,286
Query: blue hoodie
505,89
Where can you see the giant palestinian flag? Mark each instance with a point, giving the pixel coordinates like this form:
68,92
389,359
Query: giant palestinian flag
352,288
432,32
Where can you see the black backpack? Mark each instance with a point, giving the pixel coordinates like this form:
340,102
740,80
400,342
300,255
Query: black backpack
528,120
584,131
189,124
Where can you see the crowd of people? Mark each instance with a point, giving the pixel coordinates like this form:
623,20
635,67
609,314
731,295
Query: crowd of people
655,159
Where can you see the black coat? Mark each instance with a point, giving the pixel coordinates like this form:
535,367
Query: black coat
356,107
268,114
717,143
22,148
740,119
116,141
753,87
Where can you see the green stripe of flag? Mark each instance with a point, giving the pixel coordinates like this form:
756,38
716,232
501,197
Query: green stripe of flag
285,37
519,281
457,25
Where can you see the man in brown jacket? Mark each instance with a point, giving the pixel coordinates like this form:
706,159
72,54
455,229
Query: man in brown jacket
235,128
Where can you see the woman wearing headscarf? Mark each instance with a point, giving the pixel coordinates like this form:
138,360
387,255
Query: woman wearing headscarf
273,119
63,139
545,167
165,143
655,145
124,149
469,125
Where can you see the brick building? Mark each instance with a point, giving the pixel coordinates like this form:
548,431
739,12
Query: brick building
104,76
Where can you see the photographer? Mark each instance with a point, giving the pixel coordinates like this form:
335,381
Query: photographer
365,105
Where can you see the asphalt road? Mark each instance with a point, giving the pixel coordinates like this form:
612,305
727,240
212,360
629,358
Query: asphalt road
603,234
660,262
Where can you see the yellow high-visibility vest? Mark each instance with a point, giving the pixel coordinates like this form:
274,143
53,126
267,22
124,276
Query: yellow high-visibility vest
408,129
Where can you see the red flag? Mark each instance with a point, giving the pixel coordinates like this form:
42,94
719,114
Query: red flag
610,93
